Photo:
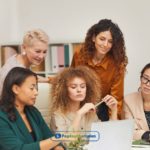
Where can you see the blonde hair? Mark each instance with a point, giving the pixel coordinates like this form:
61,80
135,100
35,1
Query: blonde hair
36,34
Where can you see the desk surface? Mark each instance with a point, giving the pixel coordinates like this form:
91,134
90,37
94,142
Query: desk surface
134,147
140,147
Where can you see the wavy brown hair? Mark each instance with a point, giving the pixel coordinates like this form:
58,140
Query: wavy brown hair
117,51
59,92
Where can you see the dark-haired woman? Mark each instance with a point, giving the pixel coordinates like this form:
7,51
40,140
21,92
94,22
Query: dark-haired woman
104,52
21,124
137,106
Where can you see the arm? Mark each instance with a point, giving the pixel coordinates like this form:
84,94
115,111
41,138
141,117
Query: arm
46,79
49,140
60,122
43,79
10,138
128,114
80,113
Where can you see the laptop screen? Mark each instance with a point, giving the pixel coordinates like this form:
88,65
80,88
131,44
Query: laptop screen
114,135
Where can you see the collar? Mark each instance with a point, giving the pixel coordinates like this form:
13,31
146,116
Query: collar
104,63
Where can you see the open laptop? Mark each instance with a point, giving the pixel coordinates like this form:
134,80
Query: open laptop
114,135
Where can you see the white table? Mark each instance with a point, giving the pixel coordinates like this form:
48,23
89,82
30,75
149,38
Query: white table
141,147
134,147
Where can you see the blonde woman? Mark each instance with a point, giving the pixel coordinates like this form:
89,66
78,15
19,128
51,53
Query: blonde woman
34,49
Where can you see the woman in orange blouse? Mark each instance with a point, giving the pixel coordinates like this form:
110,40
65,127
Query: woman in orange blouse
104,52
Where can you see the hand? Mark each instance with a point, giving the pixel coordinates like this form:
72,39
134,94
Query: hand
58,148
111,102
86,108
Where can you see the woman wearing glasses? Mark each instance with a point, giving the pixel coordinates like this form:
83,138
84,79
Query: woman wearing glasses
137,106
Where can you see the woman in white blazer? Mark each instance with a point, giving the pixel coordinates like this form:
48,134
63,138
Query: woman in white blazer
137,106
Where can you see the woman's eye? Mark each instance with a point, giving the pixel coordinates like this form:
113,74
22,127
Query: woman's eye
102,39
44,52
73,87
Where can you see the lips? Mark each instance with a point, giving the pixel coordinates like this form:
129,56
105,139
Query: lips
80,95
147,90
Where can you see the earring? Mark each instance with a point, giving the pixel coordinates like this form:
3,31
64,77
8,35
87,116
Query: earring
139,89
23,53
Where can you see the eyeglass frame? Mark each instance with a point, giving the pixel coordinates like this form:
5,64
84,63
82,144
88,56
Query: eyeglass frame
146,80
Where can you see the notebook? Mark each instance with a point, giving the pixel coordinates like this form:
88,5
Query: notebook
114,135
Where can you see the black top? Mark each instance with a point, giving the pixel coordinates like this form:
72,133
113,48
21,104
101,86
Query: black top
33,135
102,112
147,115
146,135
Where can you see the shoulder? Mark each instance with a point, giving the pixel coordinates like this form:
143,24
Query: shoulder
2,113
58,114
10,63
3,116
132,97
34,112
33,109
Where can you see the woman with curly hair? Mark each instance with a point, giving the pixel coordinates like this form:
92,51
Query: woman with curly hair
104,52
74,94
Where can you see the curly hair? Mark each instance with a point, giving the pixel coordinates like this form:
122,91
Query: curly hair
15,76
59,92
118,47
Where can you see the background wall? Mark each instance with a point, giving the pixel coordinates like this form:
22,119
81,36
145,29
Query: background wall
69,20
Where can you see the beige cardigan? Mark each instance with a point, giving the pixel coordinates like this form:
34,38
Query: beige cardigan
133,108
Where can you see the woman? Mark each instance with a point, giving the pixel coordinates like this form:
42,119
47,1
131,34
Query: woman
74,94
104,52
21,124
137,106
34,49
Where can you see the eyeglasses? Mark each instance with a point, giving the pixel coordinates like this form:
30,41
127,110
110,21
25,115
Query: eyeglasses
145,80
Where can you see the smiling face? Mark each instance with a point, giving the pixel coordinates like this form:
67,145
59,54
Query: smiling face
26,93
145,82
36,53
77,89
103,42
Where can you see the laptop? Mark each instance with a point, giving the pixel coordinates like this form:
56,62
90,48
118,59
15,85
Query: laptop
113,135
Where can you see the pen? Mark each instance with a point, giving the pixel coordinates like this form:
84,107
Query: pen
99,103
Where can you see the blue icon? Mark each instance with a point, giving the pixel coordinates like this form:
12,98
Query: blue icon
57,135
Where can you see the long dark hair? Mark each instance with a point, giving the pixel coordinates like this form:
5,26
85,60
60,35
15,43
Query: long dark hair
118,48
15,76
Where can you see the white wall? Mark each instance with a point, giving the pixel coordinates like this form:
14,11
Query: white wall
8,21
68,21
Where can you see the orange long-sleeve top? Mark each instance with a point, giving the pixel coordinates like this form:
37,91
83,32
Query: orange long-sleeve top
111,78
